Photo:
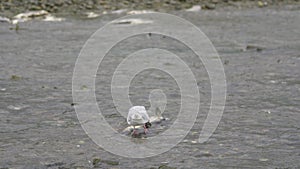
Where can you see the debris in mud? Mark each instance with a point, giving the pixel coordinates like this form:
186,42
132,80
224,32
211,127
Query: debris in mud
56,164
15,77
166,167
73,104
97,162
254,47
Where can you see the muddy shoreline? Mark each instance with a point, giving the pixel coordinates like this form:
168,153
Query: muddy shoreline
9,8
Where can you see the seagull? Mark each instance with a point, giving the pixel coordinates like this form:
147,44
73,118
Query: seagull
138,116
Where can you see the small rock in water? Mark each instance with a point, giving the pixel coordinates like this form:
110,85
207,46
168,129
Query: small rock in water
195,8
15,77
96,161
73,104
254,47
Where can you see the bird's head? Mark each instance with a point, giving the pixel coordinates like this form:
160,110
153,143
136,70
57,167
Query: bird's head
148,125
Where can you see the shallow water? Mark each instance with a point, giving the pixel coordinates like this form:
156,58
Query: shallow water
259,127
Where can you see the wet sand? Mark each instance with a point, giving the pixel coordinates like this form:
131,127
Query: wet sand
260,125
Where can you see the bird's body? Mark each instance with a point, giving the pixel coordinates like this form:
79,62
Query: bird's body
137,116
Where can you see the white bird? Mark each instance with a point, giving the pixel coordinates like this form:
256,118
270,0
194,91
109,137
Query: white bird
138,116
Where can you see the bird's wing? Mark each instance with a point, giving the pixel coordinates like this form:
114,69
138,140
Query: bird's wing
141,110
144,115
130,115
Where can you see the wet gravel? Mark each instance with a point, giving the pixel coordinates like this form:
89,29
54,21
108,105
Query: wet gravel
10,8
260,125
